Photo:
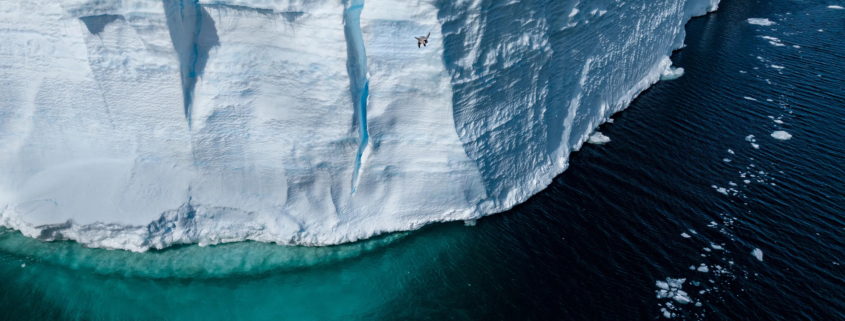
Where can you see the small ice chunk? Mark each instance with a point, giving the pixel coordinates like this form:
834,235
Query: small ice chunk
601,13
760,21
730,151
749,98
778,121
835,7
726,160
685,235
769,100
692,267
23,265
667,314
662,285
749,138
715,246
598,138
471,222
703,268
755,146
693,231
773,41
672,73
778,67
722,190
781,135
573,13
707,249
758,253
696,283
746,181
796,46
698,304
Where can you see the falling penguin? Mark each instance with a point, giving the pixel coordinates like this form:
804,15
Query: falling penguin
422,40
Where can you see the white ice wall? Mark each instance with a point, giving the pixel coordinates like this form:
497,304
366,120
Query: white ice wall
139,124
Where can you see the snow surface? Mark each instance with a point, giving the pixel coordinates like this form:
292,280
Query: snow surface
141,124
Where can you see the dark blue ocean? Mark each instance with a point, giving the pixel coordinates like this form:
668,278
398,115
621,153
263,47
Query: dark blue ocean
693,185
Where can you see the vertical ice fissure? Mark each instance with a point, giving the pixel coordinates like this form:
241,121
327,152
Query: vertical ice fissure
356,66
192,44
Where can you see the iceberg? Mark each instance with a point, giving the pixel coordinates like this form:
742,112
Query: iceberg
138,125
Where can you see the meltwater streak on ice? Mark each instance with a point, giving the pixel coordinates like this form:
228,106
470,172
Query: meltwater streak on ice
269,154
359,84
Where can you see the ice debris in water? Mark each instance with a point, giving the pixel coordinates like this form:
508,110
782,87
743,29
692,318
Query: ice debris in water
749,98
715,246
781,135
835,7
598,138
731,152
470,222
672,73
671,289
726,160
755,146
760,21
774,41
778,121
703,268
758,253
685,235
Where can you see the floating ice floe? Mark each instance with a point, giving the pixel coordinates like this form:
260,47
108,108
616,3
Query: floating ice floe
835,7
778,121
758,253
749,98
685,235
755,146
671,289
703,268
781,135
760,21
598,138
672,73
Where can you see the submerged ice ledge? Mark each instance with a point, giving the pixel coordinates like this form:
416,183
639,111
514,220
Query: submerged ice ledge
137,125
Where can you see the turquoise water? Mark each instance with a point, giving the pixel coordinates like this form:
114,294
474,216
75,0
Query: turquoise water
247,280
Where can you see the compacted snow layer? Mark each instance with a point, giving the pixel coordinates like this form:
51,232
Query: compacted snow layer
142,124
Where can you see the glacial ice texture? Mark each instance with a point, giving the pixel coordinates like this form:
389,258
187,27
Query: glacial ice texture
141,124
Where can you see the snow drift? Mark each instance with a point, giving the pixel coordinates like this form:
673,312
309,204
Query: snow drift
141,124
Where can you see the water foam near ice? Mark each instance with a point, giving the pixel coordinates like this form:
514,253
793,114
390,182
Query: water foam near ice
312,122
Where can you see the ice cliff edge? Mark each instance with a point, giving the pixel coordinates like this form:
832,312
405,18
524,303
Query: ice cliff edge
140,124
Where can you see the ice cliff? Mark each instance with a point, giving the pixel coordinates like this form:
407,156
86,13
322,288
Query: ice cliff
138,124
